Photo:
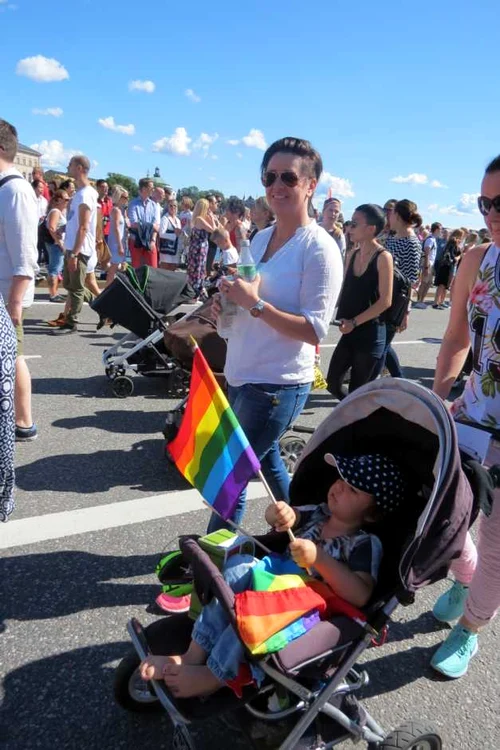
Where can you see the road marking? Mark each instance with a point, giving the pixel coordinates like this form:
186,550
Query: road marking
394,343
32,356
37,529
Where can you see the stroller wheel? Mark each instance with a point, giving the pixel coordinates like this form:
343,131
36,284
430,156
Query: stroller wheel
131,692
291,447
182,739
413,735
123,386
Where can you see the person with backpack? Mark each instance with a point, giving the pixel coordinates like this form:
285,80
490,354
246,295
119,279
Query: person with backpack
429,250
18,265
365,295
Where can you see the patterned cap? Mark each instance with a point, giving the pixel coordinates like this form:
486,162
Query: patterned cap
374,473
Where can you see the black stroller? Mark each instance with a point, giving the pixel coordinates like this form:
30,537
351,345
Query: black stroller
143,302
318,670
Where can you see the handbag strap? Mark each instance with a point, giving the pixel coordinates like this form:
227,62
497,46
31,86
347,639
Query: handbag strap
10,177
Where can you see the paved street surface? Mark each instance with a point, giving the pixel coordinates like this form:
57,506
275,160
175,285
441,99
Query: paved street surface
96,504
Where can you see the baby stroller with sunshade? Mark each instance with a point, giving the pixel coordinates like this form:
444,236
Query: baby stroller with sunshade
318,671
144,302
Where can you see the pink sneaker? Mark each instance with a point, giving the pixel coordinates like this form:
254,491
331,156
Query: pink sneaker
173,604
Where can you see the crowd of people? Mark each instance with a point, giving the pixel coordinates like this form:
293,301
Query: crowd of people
309,265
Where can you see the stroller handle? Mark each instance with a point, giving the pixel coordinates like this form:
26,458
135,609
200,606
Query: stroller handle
208,579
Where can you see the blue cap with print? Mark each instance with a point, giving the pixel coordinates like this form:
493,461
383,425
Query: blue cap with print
374,473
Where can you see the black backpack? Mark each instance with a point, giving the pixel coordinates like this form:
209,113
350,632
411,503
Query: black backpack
401,295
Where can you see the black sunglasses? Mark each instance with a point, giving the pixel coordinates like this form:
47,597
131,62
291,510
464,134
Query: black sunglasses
486,204
288,178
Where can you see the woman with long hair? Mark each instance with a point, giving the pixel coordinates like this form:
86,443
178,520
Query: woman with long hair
170,232
366,293
117,242
447,267
262,216
330,221
203,224
55,223
283,313
474,597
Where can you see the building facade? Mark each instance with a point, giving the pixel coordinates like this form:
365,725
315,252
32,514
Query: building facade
26,160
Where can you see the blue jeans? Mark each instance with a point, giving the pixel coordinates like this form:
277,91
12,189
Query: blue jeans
389,357
265,412
56,259
216,636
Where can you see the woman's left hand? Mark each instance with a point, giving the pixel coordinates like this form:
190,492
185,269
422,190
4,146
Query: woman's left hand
404,324
241,292
346,326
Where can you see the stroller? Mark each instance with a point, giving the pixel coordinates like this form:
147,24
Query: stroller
318,670
142,301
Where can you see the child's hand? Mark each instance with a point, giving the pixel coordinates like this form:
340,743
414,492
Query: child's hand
280,515
304,552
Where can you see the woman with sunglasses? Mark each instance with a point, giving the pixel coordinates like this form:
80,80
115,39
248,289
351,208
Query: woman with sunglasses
56,225
117,231
284,313
366,294
170,232
474,322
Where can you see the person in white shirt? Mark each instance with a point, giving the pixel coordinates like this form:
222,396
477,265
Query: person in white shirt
429,250
229,255
284,312
42,202
170,231
79,240
332,208
18,264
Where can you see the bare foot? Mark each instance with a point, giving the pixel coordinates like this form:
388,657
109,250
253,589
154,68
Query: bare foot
187,681
153,667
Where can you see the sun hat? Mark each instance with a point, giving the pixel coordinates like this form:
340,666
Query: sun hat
374,473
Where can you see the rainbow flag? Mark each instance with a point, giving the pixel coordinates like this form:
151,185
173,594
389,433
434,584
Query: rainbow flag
211,450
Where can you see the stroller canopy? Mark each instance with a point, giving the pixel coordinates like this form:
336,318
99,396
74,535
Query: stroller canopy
163,290
412,425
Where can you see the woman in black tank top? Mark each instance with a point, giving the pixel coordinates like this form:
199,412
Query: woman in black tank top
365,294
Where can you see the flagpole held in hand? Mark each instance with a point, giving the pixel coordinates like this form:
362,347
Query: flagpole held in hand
262,478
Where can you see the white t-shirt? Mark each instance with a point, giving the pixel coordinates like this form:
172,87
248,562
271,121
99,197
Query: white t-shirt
85,196
18,234
42,204
304,278
430,246
230,257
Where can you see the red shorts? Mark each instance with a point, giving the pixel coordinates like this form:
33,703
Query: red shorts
141,257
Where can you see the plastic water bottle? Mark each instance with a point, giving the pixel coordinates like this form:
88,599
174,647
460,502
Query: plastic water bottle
246,265
227,315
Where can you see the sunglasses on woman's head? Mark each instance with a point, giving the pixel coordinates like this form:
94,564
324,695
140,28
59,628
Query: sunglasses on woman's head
486,204
288,178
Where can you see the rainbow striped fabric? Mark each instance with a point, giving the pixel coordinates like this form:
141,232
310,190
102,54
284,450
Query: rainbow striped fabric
211,450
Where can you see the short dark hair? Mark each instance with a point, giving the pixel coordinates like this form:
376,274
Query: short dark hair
436,226
235,206
8,140
297,147
144,182
65,184
408,211
101,181
36,183
374,215
493,166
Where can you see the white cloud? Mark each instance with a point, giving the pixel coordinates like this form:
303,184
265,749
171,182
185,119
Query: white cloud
110,124
437,184
255,139
192,96
338,185
137,148
53,153
204,142
214,157
52,111
147,86
41,69
416,178
239,155
233,142
177,143
433,207
94,163
466,206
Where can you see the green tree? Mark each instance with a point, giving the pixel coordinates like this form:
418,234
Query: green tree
195,193
115,178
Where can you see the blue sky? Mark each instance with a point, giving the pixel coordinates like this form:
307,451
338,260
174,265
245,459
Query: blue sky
383,90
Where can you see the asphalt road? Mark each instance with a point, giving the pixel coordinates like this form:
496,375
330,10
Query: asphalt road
96,504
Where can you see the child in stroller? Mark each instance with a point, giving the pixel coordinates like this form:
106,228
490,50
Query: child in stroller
330,542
